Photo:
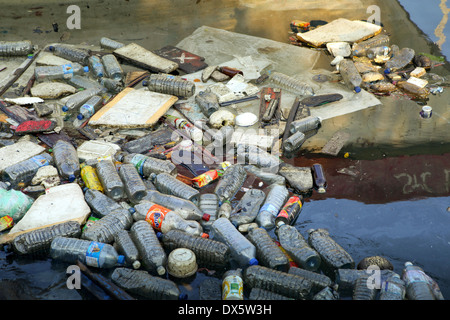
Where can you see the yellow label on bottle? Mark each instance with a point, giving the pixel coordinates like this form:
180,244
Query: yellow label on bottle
232,288
90,178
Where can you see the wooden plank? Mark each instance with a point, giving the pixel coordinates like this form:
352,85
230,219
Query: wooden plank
187,61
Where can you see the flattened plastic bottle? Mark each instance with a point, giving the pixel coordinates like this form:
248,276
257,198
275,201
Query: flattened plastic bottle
261,294
93,254
393,288
96,66
169,184
82,81
275,200
144,144
104,229
110,179
267,252
290,84
208,204
16,48
297,248
126,247
417,283
288,285
146,165
350,75
66,160
70,53
100,203
319,281
36,243
208,252
63,72
248,207
141,283
151,252
78,99
360,49
90,178
363,289
225,209
242,250
135,188
230,182
24,171
112,67
107,43
400,60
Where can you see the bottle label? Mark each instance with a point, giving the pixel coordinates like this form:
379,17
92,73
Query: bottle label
6,222
67,71
205,178
155,216
392,288
40,161
289,208
415,276
93,254
90,178
138,162
270,208
232,288
89,110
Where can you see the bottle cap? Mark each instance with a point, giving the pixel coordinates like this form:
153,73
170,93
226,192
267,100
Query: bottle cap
86,69
182,263
121,259
80,116
321,190
235,224
408,263
161,270
100,74
131,210
357,89
145,83
51,48
71,178
65,109
159,235
205,235
387,70
206,216
85,189
183,296
136,264
253,262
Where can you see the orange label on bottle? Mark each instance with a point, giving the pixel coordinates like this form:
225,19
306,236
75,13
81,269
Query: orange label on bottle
155,216
287,208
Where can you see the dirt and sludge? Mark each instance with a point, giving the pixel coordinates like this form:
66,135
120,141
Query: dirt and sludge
387,173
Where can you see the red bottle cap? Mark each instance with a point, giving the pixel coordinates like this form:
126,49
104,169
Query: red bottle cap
206,217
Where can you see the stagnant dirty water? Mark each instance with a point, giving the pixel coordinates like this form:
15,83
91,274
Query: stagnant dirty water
390,197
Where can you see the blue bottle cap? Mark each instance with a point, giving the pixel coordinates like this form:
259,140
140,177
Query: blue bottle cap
71,178
234,223
131,210
85,189
357,89
386,71
51,48
145,83
159,235
86,69
65,109
182,296
121,259
80,116
100,74
253,262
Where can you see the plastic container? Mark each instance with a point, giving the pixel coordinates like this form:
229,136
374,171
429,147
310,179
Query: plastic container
96,66
168,184
275,200
290,84
320,182
104,229
294,142
208,204
288,285
364,291
24,171
248,207
93,254
90,178
170,85
372,53
225,210
306,124
182,263
350,75
400,60
327,294
146,165
417,283
233,285
208,252
151,252
100,203
208,102
88,108
70,53
16,48
345,279
63,72
107,43
290,211
230,182
78,99
82,81
319,281
297,248
267,252
360,49
112,67
112,85
393,288
135,189
192,131
110,179
126,247
36,243
261,294
242,250
66,160
141,283
426,112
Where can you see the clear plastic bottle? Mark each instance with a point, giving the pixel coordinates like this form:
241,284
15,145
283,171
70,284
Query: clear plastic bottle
261,294
233,285
230,182
113,85
16,48
372,53
225,209
248,207
164,220
104,229
362,290
93,254
275,200
151,252
306,124
168,184
145,143
294,142
393,288
141,283
63,72
66,160
82,81
96,66
88,108
400,60
417,283
78,99
100,203
135,188
126,247
291,84
345,279
112,67
36,243
146,165
286,284
327,294
170,85
320,182
70,53
290,211
267,252
319,281
360,49
350,75
208,204
110,179
107,43
242,250
297,248
208,252
24,171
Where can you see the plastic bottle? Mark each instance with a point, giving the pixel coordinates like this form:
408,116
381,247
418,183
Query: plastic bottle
90,178
208,102
169,184
266,177
233,285
400,60
378,51
242,250
104,229
146,165
36,243
112,67
88,108
230,182
100,203
63,72
320,182
170,85
294,142
107,43
208,204
209,252
225,210
327,293
192,131
66,160
164,220
126,247
24,171
151,252
360,49
267,252
306,124
93,254
110,179
135,188
70,53
290,211
288,285
297,248
345,279
248,207
350,75
16,48
291,84
319,281
96,66
261,294
141,283
393,288
78,99
417,283
275,199
113,85
333,256
82,81
364,291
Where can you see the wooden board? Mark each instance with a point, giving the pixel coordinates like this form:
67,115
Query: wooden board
187,61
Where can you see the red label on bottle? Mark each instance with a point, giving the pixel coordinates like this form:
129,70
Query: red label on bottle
155,216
